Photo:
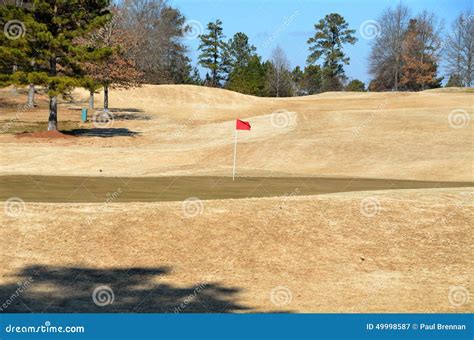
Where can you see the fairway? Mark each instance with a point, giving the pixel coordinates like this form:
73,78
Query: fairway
76,189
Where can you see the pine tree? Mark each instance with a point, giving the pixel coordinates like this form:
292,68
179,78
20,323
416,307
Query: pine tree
240,51
17,57
52,29
249,79
332,33
214,53
355,86
297,77
195,78
312,79
454,81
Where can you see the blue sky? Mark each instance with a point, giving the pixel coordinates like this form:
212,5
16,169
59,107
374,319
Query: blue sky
289,23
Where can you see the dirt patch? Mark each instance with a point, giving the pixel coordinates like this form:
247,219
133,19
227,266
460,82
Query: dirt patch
43,134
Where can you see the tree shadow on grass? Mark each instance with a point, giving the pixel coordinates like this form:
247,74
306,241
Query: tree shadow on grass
45,289
102,132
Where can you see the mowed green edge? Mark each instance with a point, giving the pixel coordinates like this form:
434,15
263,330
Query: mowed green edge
155,189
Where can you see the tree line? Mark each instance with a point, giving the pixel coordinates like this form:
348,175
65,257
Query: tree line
60,45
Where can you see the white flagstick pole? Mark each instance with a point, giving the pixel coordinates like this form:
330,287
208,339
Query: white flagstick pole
235,153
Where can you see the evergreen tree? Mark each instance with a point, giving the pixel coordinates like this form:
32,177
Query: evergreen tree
249,79
214,53
297,77
17,56
332,33
355,86
312,79
240,51
52,50
195,78
454,81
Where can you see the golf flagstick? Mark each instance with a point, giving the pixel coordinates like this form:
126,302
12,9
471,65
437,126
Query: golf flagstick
239,125
235,153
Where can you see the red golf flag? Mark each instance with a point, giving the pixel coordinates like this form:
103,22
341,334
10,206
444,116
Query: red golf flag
241,125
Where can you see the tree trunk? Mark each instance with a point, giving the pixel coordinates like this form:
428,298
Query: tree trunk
53,114
53,101
91,100
106,98
31,95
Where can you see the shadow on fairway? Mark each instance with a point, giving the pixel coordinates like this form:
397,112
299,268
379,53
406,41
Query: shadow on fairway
121,109
44,289
104,132
131,116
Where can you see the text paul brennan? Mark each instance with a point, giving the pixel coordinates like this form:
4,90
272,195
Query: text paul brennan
441,327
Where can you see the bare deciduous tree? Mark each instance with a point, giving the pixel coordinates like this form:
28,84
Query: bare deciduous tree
157,29
386,55
459,48
279,82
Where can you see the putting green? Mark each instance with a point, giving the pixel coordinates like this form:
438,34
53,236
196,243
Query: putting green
155,189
